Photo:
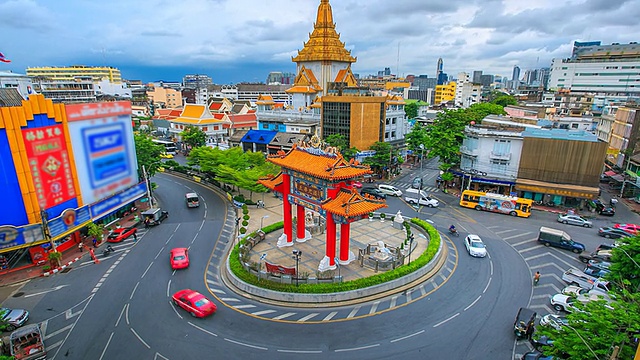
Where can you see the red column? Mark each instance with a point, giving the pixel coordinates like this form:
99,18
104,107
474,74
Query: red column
286,207
344,242
301,221
331,240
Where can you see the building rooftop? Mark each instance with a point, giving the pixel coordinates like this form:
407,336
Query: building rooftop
560,134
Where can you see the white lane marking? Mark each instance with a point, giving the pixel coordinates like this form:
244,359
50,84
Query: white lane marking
527,249
280,317
247,345
195,237
201,225
491,267
487,287
393,301
46,291
158,254
145,272
106,346
258,313
134,290
353,312
473,303
300,351
139,338
126,315
218,291
230,299
357,348
58,332
248,306
53,346
124,308
518,235
310,316
445,320
69,314
408,336
505,231
174,309
374,307
201,329
330,316
168,286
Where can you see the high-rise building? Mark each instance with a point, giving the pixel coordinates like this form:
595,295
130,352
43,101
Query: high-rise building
439,72
196,81
516,73
277,77
477,77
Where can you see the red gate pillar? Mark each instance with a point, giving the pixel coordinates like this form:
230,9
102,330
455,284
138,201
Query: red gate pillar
301,222
329,262
286,212
346,256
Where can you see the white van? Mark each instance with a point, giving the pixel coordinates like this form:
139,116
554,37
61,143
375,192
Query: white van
390,190
577,277
192,200
415,196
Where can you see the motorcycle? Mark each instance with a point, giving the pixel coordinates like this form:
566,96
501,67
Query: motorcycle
107,251
454,232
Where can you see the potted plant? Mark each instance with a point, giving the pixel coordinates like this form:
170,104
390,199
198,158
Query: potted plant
382,216
54,258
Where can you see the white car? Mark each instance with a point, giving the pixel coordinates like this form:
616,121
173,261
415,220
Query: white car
574,220
475,246
555,321
577,291
390,190
562,302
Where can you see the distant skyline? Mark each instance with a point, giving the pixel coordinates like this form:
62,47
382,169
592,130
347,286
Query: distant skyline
243,40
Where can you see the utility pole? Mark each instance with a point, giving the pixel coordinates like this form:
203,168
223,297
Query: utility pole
148,182
44,217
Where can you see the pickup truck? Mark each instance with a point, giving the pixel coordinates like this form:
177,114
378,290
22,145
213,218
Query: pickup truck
579,278
27,343
420,197
560,239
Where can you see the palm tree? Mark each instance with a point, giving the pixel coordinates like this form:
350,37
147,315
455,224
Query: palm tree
54,258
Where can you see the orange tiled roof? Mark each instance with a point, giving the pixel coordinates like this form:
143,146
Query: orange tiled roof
349,203
215,106
273,183
328,166
243,120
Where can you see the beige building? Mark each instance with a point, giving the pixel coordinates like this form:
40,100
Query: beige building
164,97
69,73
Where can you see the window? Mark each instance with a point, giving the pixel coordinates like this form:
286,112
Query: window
499,166
204,129
574,126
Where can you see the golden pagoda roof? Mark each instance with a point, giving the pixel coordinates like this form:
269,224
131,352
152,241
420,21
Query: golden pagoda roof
272,183
350,203
325,164
324,42
305,82
346,76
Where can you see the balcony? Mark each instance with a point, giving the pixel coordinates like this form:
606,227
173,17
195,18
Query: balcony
469,152
500,156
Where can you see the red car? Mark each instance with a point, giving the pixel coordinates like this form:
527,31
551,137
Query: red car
194,302
121,234
630,228
179,258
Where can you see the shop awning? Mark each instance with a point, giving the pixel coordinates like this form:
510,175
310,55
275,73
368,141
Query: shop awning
609,173
581,192
617,177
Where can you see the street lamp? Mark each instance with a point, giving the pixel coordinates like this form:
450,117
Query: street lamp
421,156
410,243
338,264
262,219
296,255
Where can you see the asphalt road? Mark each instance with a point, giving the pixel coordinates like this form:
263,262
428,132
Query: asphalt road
120,309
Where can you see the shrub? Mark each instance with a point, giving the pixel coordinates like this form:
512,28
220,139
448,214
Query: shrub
245,223
243,230
246,217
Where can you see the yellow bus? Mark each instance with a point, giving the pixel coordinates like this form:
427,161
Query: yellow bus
503,204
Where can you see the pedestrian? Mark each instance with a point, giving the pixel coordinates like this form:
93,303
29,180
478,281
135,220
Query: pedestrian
135,237
95,242
536,278
80,246
146,223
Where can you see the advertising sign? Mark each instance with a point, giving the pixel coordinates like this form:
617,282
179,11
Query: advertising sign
279,269
115,202
11,236
103,148
49,163
68,221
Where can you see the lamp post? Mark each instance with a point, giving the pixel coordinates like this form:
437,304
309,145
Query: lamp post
410,243
296,255
338,264
262,219
421,156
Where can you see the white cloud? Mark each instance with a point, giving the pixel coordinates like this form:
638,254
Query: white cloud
488,35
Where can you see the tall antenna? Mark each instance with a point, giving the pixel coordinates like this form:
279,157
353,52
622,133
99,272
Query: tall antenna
398,61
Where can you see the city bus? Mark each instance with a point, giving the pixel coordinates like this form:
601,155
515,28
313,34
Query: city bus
169,146
503,204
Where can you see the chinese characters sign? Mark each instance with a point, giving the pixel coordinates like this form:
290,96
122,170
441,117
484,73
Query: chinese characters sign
49,163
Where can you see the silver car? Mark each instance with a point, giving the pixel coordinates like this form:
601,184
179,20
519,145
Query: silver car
13,318
574,220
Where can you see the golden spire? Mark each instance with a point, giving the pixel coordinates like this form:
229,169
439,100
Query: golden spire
324,42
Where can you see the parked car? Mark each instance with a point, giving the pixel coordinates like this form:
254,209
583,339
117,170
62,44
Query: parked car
417,183
390,190
120,234
13,318
574,220
578,292
373,192
555,321
562,302
194,303
597,272
475,246
600,264
603,255
559,238
630,228
179,258
612,233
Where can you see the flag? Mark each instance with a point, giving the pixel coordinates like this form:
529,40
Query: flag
4,59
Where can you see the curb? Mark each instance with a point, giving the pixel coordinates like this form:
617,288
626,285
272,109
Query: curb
56,270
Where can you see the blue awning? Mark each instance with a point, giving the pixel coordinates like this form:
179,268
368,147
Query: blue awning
477,178
259,136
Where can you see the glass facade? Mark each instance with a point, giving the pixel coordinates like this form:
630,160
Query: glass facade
336,119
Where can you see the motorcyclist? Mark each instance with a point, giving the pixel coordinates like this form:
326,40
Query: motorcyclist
452,229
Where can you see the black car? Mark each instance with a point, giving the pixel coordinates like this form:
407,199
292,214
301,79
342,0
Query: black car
417,183
374,192
602,209
612,233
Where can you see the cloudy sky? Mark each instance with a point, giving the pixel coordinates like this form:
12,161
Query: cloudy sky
243,40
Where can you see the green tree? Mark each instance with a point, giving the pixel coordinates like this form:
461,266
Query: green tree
339,141
411,110
147,153
193,137
382,157
418,135
505,100
625,266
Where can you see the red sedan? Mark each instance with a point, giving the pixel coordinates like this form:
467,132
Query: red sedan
195,303
630,228
121,234
179,258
